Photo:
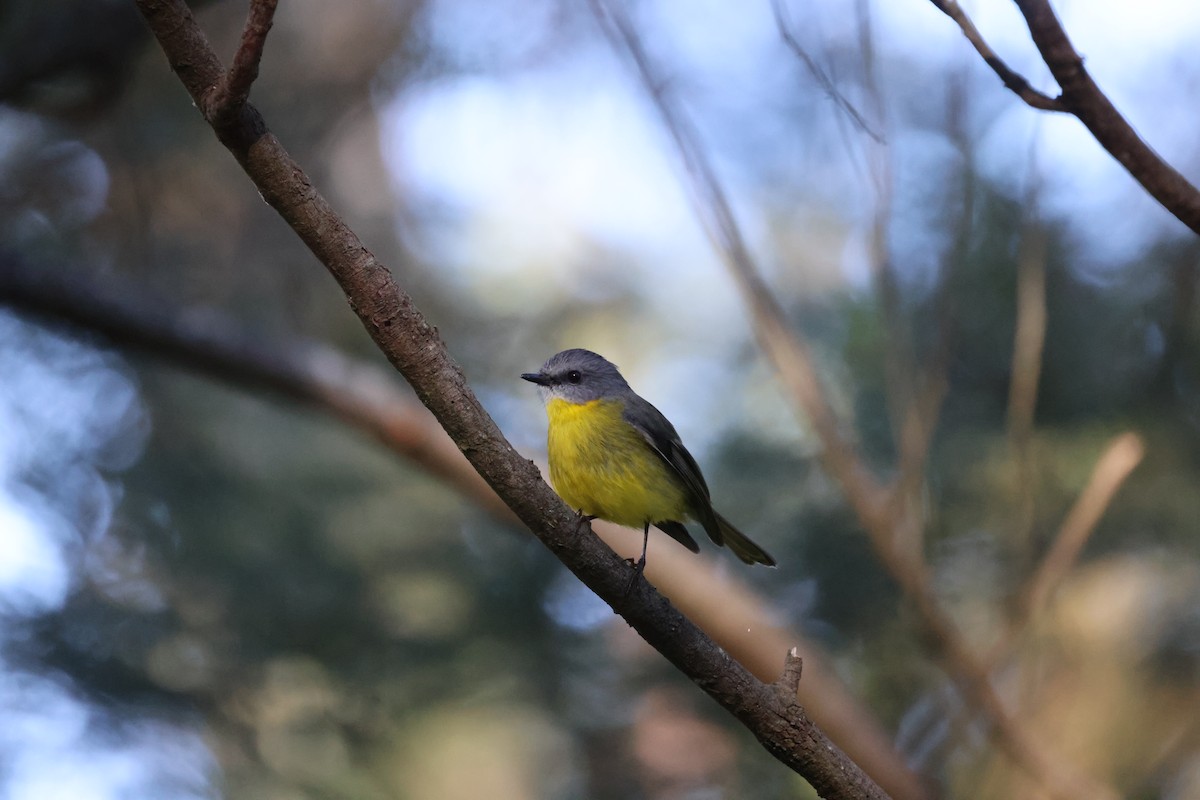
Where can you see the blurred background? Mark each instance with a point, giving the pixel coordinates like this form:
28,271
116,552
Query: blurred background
210,587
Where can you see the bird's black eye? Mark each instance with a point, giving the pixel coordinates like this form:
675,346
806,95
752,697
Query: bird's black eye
573,376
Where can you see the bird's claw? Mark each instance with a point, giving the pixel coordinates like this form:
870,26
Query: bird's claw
583,519
639,567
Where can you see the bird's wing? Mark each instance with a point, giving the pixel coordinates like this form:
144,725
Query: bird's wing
660,434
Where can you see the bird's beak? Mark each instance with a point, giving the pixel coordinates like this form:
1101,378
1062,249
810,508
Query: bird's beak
539,378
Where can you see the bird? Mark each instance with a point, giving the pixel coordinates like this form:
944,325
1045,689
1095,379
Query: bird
615,457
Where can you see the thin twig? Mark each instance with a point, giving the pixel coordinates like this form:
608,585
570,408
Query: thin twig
914,395
900,363
789,353
932,384
1013,80
1112,468
1119,459
1083,98
1028,338
227,97
784,24
792,359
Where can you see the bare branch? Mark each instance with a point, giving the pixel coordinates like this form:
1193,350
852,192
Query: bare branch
1122,455
790,355
1112,468
412,344
369,399
1013,80
300,370
1082,98
784,24
920,423
900,362
1085,100
227,97
1029,338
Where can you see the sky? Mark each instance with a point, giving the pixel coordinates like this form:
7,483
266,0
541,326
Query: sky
575,146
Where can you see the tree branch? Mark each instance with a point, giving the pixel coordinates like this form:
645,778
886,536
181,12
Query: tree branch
1109,473
784,25
1119,459
227,97
1082,98
412,344
1014,81
307,372
1086,101
370,400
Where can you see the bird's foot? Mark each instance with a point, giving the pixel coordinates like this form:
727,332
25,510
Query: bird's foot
639,567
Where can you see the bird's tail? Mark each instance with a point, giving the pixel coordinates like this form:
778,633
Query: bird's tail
738,542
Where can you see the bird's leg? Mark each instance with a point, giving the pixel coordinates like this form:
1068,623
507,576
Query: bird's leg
639,566
641,562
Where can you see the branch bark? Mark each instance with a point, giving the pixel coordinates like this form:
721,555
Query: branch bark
228,96
412,344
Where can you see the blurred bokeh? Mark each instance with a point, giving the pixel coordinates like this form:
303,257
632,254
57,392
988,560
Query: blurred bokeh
209,591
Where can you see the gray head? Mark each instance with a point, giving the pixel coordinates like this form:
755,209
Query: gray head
578,376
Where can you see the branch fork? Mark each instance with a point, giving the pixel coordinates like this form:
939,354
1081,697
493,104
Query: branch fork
225,100
1082,98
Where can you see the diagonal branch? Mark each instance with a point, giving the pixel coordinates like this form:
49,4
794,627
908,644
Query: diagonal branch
368,398
790,355
784,24
1109,473
1119,459
1084,99
413,345
1013,80
303,371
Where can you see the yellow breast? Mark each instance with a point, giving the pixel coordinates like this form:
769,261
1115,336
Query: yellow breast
601,465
